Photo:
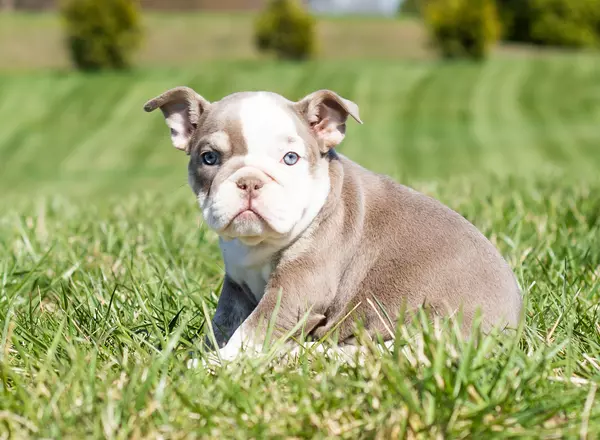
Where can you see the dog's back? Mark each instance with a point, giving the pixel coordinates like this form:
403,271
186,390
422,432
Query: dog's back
401,246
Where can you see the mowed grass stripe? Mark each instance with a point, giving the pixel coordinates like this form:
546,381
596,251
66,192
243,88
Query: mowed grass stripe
581,108
431,125
48,139
398,120
72,117
109,120
386,119
509,116
557,127
541,80
384,97
412,151
590,108
440,120
485,115
499,122
458,95
31,107
396,93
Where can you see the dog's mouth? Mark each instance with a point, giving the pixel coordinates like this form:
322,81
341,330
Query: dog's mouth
242,221
247,214
248,226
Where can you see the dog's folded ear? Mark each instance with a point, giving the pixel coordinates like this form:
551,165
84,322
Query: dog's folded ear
182,108
326,113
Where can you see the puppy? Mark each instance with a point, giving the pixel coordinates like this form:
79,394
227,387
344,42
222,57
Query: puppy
308,233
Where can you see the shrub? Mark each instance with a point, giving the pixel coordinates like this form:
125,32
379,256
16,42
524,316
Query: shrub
102,34
462,28
286,29
568,23
516,16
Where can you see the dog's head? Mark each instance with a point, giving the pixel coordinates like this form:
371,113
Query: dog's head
258,162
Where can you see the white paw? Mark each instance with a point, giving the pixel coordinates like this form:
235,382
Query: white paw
229,353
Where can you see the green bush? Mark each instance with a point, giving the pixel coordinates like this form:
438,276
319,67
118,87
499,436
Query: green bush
516,16
286,29
567,23
462,28
102,34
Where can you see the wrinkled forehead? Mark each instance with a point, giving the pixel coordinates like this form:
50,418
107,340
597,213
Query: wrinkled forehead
255,123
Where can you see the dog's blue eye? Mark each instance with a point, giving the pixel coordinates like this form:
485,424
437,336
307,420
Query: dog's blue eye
291,158
210,158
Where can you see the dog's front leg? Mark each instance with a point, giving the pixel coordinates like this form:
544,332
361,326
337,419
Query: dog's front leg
233,309
296,312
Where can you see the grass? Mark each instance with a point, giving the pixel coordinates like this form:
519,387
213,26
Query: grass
424,121
105,264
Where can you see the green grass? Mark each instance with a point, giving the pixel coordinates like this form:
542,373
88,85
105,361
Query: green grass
104,267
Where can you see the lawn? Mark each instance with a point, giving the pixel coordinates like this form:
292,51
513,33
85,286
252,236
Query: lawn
105,266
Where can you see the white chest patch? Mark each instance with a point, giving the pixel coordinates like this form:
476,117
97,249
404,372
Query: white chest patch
255,278
244,268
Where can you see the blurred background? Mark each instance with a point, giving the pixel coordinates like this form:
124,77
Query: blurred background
447,88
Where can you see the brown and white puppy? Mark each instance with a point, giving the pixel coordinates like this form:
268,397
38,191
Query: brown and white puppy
301,222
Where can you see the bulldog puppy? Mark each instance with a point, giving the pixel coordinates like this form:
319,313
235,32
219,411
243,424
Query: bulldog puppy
310,233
